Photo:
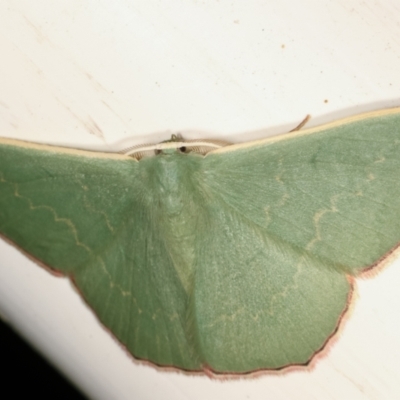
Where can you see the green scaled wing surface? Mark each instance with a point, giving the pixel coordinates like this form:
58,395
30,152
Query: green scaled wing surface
83,215
236,261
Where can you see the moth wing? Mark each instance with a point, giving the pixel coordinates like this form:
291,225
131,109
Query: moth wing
289,220
257,302
80,214
334,193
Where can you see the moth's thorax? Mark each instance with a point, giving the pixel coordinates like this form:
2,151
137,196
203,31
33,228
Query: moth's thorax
172,175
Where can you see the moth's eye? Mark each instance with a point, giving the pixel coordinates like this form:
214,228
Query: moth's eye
183,149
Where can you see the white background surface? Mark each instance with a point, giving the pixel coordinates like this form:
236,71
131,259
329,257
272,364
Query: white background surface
106,75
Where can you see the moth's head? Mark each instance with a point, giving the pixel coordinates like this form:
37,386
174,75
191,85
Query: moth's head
172,150
175,145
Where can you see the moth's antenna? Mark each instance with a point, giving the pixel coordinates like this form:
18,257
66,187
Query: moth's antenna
302,123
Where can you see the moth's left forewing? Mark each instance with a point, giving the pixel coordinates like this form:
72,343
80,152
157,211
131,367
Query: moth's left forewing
51,198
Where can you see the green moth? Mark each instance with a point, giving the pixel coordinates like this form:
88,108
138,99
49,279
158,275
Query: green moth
207,257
